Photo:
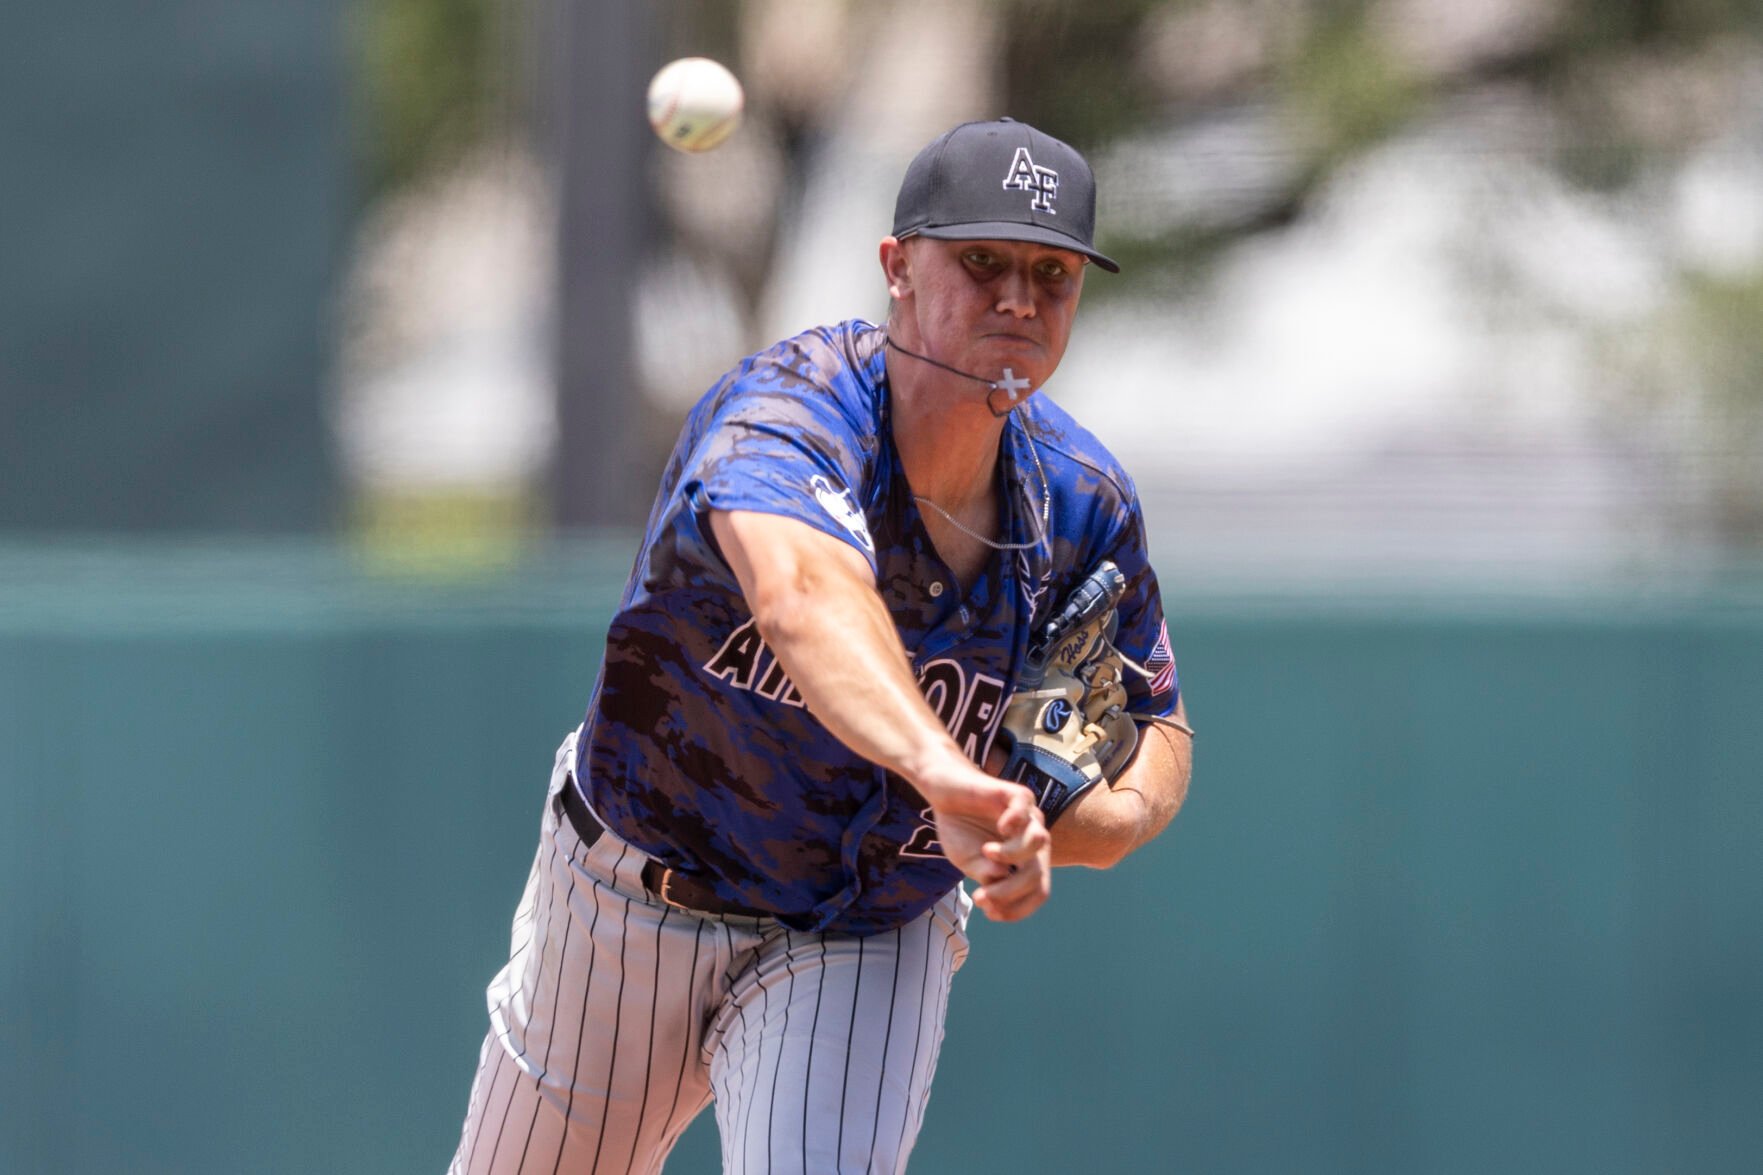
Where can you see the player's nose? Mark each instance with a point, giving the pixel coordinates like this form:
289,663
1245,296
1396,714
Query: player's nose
1016,293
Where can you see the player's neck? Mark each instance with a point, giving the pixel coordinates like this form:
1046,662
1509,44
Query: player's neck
948,440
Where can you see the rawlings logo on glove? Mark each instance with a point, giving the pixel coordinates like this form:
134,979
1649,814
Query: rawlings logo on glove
1067,728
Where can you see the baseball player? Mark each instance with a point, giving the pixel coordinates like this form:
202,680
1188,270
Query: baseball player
878,560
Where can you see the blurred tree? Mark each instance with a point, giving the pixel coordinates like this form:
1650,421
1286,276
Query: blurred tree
1723,320
1615,89
1062,67
433,77
1626,79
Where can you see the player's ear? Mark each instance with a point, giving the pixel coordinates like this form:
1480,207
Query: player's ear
896,267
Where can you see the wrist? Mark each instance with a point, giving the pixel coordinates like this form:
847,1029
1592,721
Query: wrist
932,767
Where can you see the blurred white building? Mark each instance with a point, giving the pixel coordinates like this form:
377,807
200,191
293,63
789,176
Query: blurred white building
1454,364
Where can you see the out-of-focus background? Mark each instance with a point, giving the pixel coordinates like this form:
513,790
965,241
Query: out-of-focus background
340,346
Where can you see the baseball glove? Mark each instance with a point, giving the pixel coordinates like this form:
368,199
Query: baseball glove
1066,727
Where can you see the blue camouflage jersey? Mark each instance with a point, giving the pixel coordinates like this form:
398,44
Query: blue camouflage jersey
698,750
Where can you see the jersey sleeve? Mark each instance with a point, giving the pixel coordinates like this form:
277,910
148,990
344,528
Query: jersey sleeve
1143,634
780,446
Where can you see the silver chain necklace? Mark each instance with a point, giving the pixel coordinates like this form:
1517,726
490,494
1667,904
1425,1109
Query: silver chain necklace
1046,509
1046,492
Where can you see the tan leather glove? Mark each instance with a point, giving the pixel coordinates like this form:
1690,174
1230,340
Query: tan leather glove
1066,727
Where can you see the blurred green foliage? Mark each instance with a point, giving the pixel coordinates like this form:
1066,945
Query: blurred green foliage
436,75
1619,89
1348,89
1064,70
430,75
1072,69
1721,320
1594,23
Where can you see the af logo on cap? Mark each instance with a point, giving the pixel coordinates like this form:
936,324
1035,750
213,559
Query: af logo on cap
1043,182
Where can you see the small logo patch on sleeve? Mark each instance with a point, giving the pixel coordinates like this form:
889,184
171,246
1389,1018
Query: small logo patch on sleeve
1161,662
843,510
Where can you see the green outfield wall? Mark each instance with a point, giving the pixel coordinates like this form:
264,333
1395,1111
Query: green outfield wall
1467,884
176,201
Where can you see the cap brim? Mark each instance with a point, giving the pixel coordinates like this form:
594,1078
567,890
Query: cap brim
1010,230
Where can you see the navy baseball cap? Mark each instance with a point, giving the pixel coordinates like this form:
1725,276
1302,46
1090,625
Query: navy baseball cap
1001,181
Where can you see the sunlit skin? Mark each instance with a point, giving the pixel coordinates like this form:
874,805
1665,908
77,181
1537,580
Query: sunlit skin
981,306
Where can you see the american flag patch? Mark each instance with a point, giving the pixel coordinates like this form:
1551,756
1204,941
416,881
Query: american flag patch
1161,662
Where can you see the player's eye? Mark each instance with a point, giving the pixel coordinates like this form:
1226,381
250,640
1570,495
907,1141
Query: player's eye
980,258
1053,270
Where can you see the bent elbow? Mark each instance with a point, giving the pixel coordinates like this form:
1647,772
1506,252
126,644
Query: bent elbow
781,611
1112,854
808,600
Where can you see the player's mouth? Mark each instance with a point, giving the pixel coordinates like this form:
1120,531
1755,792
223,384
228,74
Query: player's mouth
1012,339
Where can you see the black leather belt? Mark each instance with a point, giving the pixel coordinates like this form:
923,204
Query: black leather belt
670,885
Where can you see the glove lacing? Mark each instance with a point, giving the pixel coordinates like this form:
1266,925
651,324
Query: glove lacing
1147,675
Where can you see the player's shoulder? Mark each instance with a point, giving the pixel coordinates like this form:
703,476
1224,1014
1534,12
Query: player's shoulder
825,382
1078,460
839,363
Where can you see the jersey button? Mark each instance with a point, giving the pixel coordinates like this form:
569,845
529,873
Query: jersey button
936,589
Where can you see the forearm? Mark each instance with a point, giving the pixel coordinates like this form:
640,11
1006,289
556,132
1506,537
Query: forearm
816,606
815,603
844,655
1110,821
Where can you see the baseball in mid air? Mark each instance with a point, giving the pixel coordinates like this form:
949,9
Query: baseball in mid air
694,103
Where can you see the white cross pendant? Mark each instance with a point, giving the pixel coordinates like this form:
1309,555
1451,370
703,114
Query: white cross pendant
1011,384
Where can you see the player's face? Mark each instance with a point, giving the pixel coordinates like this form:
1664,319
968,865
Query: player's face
982,306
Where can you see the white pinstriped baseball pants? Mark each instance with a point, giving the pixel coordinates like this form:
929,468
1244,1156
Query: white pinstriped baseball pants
618,1018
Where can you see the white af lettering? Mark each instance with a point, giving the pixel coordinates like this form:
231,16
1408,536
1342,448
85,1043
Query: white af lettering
746,662
1025,176
924,842
971,710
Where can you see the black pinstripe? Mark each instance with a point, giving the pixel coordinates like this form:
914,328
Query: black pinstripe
887,1038
581,1026
484,1122
740,1057
808,1073
556,996
471,1128
686,1049
783,1039
617,1026
483,1059
930,927
934,1023
727,1110
750,1073
759,1061
539,871
474,1126
649,1053
850,1047
538,978
507,1108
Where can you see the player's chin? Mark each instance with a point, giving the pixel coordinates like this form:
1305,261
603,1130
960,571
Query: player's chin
1032,364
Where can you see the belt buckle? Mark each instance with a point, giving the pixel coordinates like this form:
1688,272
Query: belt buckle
665,896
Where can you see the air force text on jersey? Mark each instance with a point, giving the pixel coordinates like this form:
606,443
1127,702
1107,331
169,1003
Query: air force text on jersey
970,705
